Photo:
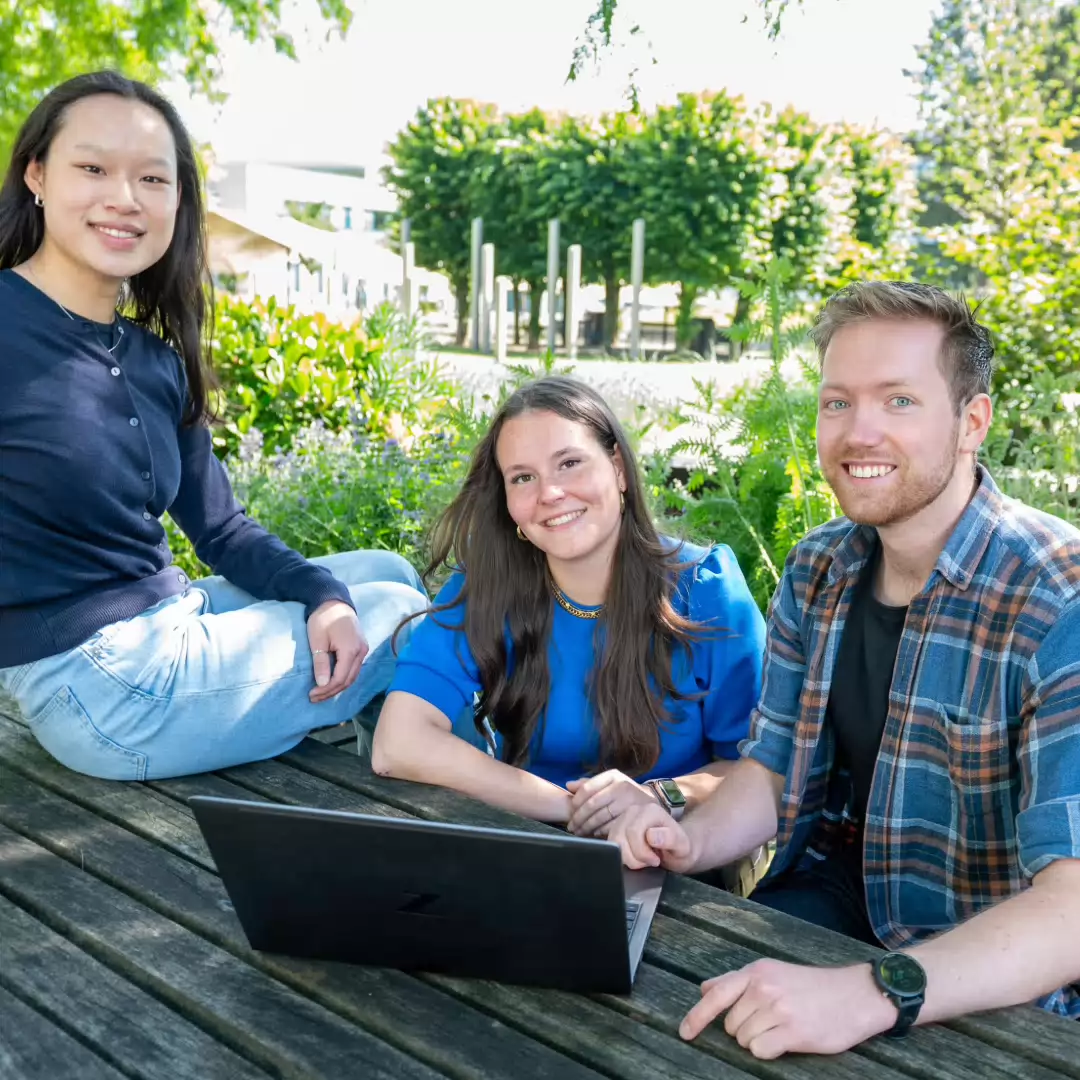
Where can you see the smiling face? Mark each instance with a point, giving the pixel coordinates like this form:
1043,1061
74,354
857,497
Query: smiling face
109,186
889,439
562,487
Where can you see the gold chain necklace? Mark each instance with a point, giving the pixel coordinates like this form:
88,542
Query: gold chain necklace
564,603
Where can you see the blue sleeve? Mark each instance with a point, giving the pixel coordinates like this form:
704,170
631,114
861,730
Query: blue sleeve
233,545
436,663
728,658
1048,825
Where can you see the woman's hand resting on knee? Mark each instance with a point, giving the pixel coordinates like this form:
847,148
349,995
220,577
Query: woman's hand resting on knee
333,629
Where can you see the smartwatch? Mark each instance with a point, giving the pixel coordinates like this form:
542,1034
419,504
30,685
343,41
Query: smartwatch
670,797
902,980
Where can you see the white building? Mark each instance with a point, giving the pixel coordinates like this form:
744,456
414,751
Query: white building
356,201
258,249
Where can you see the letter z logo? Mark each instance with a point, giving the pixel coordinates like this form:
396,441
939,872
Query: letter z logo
418,903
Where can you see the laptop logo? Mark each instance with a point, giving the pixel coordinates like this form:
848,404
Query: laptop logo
418,903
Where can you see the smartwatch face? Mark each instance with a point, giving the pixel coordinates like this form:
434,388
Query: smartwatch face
672,793
902,975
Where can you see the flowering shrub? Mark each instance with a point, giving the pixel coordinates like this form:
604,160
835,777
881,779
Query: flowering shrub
338,491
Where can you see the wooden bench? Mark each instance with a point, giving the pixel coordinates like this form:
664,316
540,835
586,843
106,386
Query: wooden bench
120,956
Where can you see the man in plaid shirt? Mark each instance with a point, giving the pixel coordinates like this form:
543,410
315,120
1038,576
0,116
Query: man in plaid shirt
916,750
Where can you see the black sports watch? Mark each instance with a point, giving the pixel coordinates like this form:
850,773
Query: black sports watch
670,796
902,980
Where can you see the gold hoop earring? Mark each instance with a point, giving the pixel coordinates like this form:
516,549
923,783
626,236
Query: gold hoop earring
520,534
38,200
622,502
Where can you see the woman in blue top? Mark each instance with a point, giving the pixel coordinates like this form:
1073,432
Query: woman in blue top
121,667
598,653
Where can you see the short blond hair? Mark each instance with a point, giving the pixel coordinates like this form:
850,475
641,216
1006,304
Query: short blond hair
967,352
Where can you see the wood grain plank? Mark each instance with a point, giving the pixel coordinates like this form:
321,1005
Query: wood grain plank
1026,1032
635,1037
244,1008
151,814
931,1052
393,1005
31,1048
124,1026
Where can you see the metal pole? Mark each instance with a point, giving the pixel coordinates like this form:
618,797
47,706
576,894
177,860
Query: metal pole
474,282
502,293
571,289
552,280
637,273
487,294
408,264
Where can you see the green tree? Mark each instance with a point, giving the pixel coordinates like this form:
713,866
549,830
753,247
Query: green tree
44,42
809,201
700,173
431,167
878,240
316,214
504,190
999,142
586,183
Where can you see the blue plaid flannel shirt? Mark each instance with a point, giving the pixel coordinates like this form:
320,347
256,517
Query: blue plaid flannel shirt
977,783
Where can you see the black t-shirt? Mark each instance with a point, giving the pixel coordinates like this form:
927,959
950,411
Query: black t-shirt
859,696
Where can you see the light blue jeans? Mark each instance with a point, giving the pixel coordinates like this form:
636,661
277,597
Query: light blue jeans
206,679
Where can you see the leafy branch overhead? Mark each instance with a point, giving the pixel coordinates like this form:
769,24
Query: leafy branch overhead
44,42
597,39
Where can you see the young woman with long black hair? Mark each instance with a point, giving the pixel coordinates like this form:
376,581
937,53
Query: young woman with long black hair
121,666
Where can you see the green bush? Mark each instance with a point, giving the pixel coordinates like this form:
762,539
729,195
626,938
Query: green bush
281,371
336,491
756,484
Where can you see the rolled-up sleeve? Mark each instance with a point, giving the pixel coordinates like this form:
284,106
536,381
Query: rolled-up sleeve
1048,752
437,664
727,660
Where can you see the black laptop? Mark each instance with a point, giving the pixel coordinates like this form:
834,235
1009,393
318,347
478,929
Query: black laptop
519,907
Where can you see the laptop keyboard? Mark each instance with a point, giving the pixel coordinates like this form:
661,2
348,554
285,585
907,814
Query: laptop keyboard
633,910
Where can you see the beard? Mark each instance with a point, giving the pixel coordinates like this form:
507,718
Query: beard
909,490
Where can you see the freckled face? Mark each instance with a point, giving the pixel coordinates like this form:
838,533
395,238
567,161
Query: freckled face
888,435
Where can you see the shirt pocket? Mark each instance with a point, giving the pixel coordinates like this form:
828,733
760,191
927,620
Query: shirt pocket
979,758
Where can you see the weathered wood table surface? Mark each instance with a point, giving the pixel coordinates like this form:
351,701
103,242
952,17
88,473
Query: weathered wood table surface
120,956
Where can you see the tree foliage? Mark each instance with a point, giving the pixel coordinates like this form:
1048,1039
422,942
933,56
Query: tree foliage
431,169
702,173
999,138
44,42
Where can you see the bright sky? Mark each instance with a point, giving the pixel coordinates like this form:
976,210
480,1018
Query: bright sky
343,100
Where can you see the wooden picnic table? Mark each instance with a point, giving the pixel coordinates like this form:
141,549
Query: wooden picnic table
120,956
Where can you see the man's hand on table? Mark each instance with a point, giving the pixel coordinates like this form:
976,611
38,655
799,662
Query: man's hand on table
775,1008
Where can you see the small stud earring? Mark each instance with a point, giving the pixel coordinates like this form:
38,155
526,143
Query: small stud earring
38,200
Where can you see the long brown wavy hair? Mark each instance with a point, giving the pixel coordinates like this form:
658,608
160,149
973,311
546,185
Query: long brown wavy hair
506,598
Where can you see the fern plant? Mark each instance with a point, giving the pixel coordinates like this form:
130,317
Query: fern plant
756,484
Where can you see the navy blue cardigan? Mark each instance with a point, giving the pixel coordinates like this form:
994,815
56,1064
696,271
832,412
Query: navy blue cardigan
92,454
